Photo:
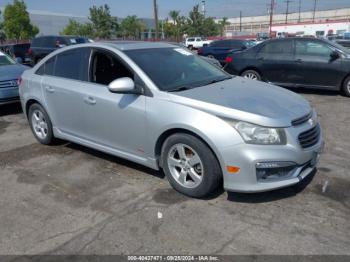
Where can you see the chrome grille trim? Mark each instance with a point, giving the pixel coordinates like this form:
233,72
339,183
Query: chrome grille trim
8,83
302,120
310,137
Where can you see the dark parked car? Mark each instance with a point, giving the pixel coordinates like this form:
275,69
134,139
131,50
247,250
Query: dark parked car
18,52
221,48
295,62
44,45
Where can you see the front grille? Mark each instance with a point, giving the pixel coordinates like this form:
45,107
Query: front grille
302,119
310,137
8,83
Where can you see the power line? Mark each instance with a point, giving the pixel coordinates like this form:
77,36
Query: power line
299,19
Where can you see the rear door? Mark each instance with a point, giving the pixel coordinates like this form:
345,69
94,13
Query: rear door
314,65
63,86
275,60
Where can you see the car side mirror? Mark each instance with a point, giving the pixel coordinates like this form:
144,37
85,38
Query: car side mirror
122,85
334,55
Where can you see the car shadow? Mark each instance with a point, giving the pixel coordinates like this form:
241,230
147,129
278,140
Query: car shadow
10,109
270,196
115,159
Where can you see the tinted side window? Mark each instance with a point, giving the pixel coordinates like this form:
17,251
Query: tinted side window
278,47
73,64
36,42
312,48
236,44
47,68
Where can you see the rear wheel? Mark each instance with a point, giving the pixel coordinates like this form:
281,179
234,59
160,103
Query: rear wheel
346,87
190,47
251,74
190,165
211,56
40,124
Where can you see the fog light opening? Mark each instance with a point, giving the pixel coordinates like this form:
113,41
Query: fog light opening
267,171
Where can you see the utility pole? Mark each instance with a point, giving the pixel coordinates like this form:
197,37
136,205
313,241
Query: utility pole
240,21
203,8
314,13
155,8
272,6
299,19
287,9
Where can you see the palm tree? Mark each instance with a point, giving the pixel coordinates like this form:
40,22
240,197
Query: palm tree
223,23
174,14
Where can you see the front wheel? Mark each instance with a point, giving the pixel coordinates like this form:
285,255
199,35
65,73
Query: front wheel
346,87
251,74
190,165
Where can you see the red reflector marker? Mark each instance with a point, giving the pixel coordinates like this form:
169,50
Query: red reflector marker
229,59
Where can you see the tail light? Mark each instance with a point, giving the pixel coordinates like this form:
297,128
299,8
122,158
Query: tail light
19,81
228,59
200,51
30,51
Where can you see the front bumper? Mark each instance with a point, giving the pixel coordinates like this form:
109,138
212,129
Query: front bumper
9,95
247,157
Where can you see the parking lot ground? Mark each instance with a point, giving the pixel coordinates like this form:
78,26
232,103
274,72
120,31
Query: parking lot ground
68,199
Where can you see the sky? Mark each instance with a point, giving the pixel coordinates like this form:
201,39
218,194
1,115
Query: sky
144,8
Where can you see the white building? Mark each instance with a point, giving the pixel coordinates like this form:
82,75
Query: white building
255,24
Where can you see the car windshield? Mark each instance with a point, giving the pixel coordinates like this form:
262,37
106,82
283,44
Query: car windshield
6,60
175,69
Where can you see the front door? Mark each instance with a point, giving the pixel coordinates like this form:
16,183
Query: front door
315,66
113,120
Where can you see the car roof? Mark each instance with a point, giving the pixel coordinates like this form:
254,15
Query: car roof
134,45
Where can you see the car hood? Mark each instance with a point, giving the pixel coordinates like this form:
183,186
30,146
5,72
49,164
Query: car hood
247,100
10,72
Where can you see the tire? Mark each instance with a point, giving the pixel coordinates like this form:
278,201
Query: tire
41,125
211,56
251,74
346,87
190,47
198,173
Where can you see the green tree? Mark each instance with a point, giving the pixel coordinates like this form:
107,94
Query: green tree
178,22
103,24
222,24
76,28
16,24
132,27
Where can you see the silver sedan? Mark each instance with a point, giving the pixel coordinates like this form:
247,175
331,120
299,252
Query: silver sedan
162,106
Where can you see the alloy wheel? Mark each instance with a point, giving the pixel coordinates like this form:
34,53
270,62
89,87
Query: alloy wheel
251,76
185,165
39,123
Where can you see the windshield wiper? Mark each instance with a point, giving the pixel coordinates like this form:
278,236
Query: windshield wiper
179,89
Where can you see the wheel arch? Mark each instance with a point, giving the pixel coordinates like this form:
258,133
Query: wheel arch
163,137
29,103
252,68
343,82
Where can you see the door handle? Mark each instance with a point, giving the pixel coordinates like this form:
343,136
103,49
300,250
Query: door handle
299,61
49,89
90,100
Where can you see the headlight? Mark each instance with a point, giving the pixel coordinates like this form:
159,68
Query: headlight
254,134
